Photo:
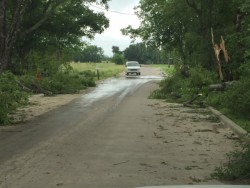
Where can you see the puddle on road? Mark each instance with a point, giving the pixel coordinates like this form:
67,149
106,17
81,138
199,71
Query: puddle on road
117,86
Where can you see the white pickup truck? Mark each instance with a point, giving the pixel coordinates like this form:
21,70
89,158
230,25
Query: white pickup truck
133,67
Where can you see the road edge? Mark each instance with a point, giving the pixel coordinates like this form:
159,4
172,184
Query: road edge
229,123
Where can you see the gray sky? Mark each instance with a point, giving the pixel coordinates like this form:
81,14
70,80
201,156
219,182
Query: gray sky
113,36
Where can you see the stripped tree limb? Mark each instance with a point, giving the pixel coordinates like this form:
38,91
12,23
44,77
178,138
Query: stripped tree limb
217,53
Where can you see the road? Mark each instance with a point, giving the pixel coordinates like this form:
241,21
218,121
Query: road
115,137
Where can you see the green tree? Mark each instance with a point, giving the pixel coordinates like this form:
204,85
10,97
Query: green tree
143,53
28,25
118,59
116,50
185,26
164,24
92,53
135,52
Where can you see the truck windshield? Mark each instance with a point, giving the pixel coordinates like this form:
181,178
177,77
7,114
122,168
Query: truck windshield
133,64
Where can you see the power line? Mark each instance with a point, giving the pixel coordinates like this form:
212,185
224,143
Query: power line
117,12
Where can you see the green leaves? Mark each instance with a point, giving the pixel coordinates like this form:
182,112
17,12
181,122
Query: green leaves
144,54
90,53
118,59
41,25
11,96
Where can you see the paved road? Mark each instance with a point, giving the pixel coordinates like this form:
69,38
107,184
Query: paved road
114,137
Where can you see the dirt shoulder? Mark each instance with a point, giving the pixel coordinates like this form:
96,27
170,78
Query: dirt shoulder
39,104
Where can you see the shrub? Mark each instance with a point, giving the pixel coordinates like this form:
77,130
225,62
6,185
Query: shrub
237,98
63,82
118,59
237,167
11,96
183,88
200,77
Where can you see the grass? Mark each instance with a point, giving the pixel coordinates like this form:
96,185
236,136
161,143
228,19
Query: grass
242,122
106,70
168,69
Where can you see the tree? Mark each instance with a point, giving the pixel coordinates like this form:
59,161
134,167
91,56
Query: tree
26,25
134,52
165,23
116,50
185,26
118,59
142,53
9,31
92,54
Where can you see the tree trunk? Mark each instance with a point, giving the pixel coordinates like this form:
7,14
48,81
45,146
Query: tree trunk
11,35
2,26
205,25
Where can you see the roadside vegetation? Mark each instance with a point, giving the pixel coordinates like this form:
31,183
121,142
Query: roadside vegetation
37,40
237,167
208,42
105,69
169,70
70,78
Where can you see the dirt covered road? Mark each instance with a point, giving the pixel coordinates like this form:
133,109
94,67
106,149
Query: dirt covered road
121,140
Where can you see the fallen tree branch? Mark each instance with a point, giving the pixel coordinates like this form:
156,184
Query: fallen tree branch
35,88
24,87
221,86
190,102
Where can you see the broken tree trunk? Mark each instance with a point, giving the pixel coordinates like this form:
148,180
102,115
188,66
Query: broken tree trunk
220,86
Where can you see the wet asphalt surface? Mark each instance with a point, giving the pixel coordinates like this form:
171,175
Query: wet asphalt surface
89,110
31,133
113,137
120,86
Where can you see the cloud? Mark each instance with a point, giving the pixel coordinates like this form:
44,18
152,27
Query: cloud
121,15
120,5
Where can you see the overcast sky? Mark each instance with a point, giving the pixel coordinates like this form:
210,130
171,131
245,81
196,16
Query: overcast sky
113,36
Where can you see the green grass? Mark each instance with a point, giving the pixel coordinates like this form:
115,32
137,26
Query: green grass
168,69
237,168
242,122
106,70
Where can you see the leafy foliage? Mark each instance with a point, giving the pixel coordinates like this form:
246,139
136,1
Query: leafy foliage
236,99
90,53
14,91
118,59
59,83
116,50
11,96
67,83
237,167
144,54
42,25
184,87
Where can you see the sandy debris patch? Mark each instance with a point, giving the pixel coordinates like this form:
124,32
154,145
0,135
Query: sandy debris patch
40,104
